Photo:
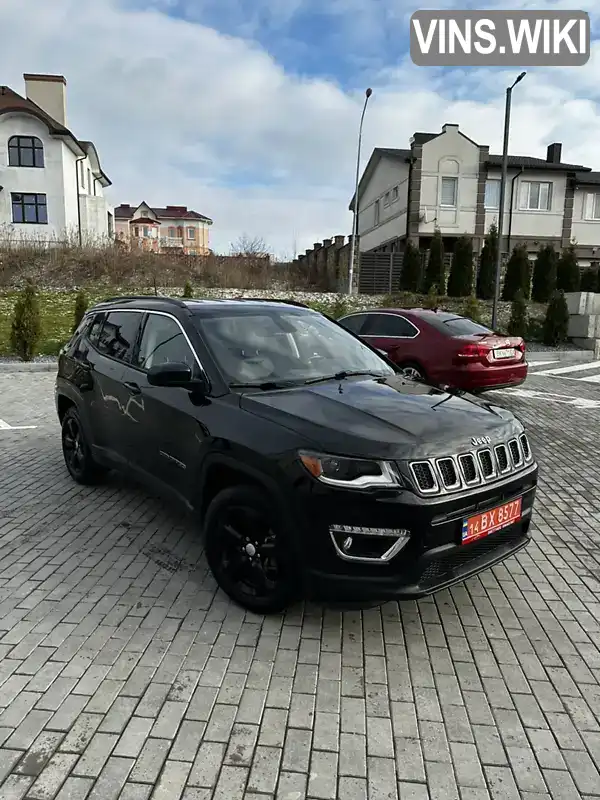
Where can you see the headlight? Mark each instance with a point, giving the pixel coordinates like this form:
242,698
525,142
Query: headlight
354,473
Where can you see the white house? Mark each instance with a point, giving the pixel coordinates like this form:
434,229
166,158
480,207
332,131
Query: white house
447,180
51,183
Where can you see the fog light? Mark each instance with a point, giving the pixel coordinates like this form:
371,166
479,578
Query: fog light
368,545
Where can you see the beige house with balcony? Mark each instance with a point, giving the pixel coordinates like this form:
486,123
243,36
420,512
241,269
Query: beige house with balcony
173,229
449,181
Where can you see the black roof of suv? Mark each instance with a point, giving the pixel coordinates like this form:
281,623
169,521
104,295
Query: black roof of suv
313,467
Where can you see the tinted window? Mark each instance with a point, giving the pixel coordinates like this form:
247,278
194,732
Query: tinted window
284,345
388,325
163,341
353,323
118,334
459,326
95,328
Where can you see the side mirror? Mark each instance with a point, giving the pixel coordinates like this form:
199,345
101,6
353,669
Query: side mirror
174,374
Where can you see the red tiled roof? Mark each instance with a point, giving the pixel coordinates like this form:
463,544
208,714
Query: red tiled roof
169,212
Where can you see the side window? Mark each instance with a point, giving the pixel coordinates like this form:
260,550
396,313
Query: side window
119,333
388,325
163,341
354,323
95,328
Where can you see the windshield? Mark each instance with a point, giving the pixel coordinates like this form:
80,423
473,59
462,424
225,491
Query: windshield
284,346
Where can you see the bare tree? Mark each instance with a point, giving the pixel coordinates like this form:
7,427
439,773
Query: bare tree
249,247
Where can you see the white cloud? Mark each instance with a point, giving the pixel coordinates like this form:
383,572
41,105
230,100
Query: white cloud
180,113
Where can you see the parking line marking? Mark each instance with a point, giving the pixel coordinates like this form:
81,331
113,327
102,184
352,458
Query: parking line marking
4,426
570,368
535,363
565,399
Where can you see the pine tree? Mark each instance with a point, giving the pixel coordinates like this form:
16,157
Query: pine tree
568,276
518,274
435,273
486,277
471,309
556,323
81,306
460,282
544,274
26,325
410,276
589,280
517,325
188,290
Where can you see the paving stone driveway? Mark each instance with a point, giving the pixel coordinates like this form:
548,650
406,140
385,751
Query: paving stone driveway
124,674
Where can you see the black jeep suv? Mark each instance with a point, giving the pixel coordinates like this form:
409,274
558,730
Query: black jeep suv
313,466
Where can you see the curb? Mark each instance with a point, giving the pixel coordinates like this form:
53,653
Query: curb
559,355
33,366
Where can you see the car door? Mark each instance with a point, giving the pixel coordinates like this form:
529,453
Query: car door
113,338
164,432
392,333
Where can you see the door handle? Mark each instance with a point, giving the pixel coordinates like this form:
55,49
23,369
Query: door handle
133,387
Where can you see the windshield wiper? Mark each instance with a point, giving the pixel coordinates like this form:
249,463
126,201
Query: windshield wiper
339,376
266,386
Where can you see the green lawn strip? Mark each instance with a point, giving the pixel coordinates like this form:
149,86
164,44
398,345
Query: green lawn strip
57,309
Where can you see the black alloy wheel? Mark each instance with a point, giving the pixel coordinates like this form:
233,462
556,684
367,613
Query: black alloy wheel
78,459
246,551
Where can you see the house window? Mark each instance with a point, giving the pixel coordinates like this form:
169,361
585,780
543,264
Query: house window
25,151
29,209
191,233
394,194
136,231
82,174
592,206
386,200
492,193
146,231
448,192
535,196
377,212
89,181
172,233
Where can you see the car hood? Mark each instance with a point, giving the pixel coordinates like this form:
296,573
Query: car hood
383,417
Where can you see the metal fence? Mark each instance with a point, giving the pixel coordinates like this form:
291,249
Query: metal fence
379,273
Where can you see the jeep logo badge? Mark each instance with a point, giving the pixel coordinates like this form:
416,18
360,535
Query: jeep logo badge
476,441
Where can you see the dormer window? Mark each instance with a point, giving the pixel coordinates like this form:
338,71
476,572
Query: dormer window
25,151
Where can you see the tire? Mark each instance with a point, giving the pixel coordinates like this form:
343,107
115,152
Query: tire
76,451
414,371
240,526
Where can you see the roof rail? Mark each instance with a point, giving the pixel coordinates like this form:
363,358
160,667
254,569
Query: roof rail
126,298
272,300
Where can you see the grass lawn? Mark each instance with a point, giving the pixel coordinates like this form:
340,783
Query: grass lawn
57,309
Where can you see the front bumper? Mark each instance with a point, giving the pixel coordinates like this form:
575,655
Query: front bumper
432,559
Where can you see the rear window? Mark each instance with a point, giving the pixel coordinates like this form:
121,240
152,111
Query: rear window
458,326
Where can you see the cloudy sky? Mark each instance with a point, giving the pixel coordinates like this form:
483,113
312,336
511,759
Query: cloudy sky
247,110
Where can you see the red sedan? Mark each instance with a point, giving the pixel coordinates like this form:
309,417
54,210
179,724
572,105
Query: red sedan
442,348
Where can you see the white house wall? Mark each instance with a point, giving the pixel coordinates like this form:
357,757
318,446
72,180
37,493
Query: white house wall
33,180
452,155
58,180
584,231
388,174
531,223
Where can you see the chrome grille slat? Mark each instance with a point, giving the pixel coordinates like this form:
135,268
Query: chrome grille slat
479,466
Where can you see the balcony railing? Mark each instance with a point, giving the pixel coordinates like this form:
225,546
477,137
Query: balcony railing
171,241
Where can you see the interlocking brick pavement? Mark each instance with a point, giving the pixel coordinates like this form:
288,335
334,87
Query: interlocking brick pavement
125,674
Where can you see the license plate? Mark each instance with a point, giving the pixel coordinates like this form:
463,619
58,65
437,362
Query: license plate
506,352
491,521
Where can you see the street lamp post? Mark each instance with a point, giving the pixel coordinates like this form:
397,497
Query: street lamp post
368,94
503,180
